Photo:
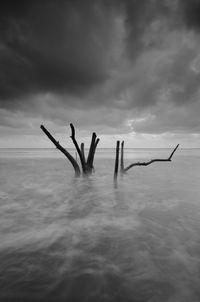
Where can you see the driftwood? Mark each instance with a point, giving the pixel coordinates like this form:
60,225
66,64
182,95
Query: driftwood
123,169
87,166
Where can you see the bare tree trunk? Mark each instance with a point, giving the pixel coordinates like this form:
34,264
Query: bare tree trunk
151,161
87,166
83,153
63,150
116,160
93,145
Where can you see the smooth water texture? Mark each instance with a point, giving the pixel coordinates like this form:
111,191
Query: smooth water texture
88,239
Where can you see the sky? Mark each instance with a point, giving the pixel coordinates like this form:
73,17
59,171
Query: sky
126,69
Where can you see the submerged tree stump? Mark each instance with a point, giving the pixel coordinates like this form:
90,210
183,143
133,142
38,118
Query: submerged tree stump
87,166
124,170
116,160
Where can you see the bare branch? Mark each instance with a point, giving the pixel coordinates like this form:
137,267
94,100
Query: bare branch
116,160
173,152
91,151
77,148
63,150
96,143
73,130
122,157
95,146
151,161
91,157
83,152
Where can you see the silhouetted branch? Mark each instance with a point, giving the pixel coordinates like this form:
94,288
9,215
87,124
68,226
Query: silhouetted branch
87,166
173,152
91,166
116,160
96,142
83,153
92,150
122,157
77,148
151,161
63,150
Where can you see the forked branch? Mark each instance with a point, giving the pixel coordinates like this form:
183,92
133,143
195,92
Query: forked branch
77,148
87,166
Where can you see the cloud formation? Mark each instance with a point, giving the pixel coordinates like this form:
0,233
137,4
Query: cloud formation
118,65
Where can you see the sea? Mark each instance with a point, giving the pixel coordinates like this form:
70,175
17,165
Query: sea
92,239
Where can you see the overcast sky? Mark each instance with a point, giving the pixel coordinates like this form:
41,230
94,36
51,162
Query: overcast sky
127,69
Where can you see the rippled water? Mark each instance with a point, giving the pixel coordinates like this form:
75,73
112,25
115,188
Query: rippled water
67,239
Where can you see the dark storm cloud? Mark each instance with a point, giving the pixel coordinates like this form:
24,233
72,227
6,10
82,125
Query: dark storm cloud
53,46
139,17
191,13
66,45
100,62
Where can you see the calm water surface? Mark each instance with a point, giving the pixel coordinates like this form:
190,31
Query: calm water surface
67,239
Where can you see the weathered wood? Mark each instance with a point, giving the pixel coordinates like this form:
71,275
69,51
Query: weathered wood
78,149
122,158
96,142
91,167
87,165
151,161
116,160
63,150
173,152
91,153
83,153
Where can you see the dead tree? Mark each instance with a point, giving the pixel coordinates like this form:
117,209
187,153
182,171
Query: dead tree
63,150
116,160
124,170
81,155
93,146
122,157
86,165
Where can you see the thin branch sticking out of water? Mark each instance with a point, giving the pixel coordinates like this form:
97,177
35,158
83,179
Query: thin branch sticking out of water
63,150
151,161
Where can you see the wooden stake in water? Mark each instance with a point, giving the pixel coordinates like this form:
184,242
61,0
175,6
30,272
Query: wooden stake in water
116,160
122,158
